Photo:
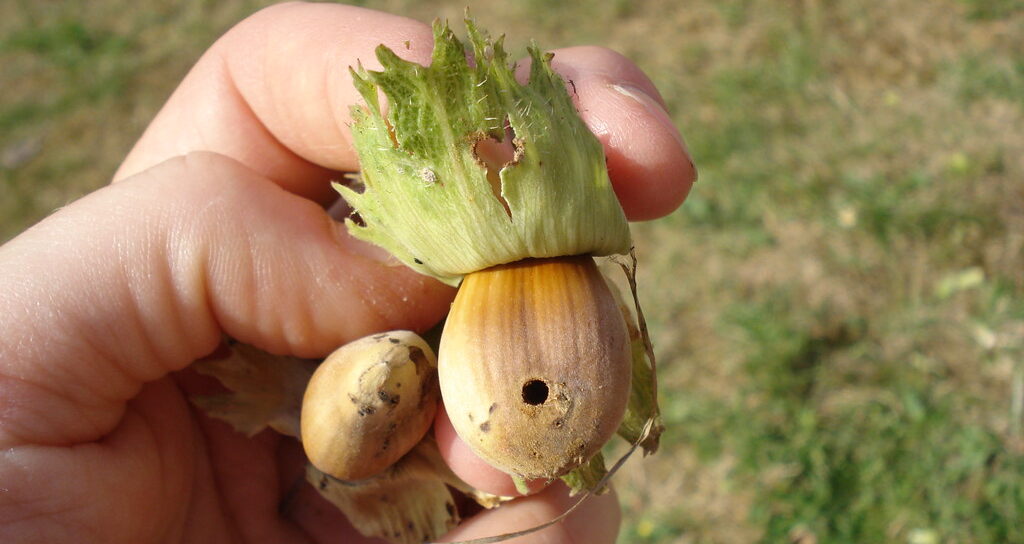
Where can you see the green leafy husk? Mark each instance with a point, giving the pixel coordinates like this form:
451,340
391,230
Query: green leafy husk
426,196
587,477
642,423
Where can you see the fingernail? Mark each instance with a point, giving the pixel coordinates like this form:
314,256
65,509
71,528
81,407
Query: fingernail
654,108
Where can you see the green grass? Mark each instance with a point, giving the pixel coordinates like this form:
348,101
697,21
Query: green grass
838,308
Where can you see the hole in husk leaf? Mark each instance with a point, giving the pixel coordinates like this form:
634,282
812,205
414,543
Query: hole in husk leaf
494,154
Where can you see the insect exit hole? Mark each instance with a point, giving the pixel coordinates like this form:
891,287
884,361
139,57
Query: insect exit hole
494,155
535,392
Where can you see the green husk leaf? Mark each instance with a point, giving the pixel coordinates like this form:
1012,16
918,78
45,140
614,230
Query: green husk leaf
426,197
522,486
643,404
642,423
587,476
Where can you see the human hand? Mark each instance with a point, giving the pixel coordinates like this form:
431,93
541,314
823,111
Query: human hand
218,227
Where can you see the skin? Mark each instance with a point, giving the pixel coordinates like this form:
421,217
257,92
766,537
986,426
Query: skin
216,225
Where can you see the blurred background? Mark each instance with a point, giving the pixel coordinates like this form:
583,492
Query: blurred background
838,307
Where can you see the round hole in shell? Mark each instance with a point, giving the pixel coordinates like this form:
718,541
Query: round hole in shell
535,392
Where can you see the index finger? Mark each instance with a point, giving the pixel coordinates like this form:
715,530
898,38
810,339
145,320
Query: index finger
273,93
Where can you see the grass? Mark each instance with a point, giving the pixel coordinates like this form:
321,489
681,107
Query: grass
843,360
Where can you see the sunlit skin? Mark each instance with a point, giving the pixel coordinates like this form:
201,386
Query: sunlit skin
216,225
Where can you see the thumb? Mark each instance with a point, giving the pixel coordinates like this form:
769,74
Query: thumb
143,277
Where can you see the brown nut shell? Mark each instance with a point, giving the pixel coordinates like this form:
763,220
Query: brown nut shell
534,365
368,404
